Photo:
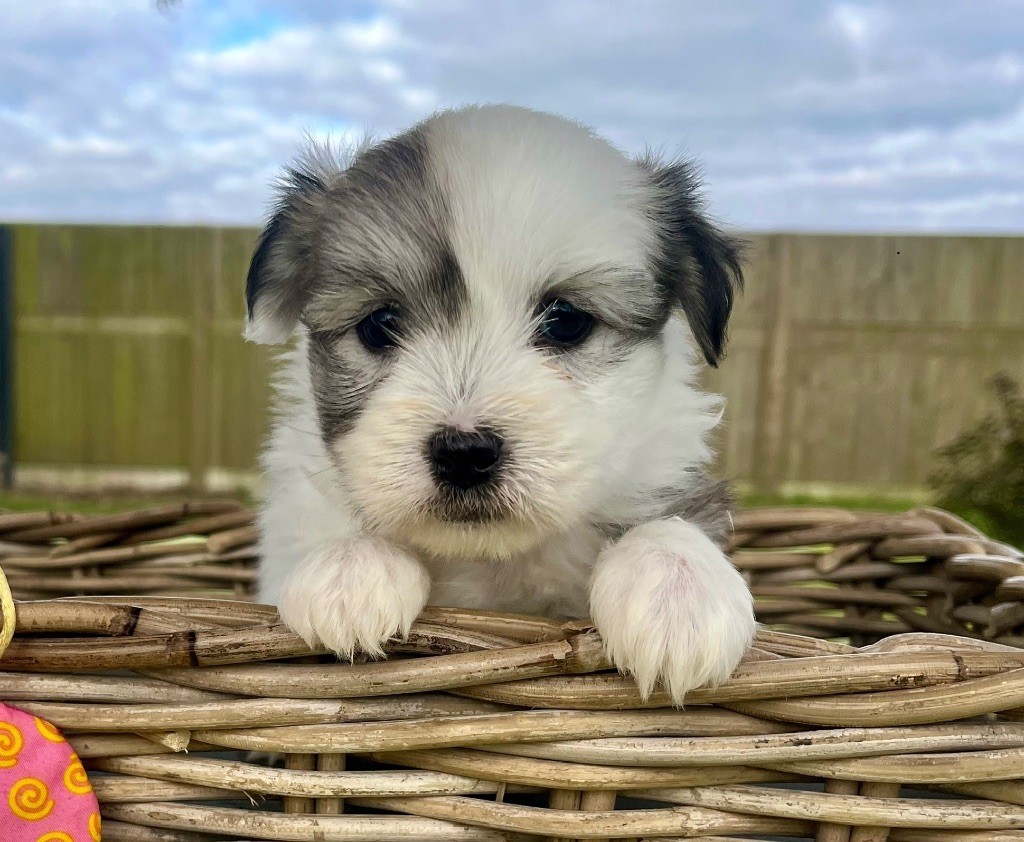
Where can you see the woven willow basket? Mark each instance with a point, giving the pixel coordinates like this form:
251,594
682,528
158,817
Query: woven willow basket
884,698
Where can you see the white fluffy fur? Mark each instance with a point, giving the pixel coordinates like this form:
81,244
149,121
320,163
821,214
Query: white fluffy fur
670,605
367,590
348,553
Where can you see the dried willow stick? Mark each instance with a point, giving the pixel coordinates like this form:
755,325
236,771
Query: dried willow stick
774,748
195,526
917,706
221,542
229,612
867,528
129,789
910,835
121,690
949,522
800,677
114,831
848,809
521,628
192,648
759,680
86,542
123,521
306,783
592,825
786,518
104,583
273,715
102,557
173,740
276,826
990,765
841,555
1011,792
49,616
838,595
581,653
20,521
116,745
573,776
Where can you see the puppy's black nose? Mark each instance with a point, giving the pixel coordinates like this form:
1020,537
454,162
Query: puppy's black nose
465,459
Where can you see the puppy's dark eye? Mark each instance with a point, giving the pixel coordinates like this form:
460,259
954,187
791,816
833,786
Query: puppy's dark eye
380,329
563,324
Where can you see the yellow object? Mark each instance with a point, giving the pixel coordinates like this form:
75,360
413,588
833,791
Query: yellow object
6,614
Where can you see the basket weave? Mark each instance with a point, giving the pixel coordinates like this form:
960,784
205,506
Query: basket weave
495,727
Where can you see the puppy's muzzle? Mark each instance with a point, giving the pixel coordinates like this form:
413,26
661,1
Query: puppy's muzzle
465,460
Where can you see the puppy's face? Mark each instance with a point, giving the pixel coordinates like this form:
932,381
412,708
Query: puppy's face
486,299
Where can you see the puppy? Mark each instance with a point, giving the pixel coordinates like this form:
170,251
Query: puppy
491,402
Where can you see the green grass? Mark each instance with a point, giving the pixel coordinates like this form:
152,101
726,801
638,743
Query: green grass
93,504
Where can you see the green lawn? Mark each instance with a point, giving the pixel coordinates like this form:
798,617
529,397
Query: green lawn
93,504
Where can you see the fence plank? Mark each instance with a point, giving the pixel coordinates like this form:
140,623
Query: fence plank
6,358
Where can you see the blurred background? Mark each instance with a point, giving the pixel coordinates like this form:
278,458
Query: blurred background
873,152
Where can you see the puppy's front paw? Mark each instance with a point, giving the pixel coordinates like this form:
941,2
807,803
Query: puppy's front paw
670,606
355,596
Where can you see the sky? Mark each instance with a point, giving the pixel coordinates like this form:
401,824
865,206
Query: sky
848,116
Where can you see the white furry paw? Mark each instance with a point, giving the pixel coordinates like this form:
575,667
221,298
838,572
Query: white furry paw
354,596
671,607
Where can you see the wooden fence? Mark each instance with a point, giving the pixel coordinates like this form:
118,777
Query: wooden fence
851,359
128,350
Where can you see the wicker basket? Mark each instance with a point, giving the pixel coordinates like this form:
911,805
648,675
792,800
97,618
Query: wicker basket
491,727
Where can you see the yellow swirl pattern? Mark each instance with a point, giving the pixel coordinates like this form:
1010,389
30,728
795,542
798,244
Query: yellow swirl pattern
94,827
29,799
75,779
58,836
48,731
11,743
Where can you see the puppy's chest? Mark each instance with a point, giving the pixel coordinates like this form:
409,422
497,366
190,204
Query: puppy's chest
551,580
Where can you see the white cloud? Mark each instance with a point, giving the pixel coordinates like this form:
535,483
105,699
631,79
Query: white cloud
848,115
372,36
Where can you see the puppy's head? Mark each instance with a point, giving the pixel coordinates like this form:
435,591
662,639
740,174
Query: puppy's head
486,300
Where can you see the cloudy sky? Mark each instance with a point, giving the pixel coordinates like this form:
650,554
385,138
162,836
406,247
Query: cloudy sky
901,115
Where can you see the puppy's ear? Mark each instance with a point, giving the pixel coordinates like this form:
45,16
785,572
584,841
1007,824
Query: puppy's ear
699,265
279,276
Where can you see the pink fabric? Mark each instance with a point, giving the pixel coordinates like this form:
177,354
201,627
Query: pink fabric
46,796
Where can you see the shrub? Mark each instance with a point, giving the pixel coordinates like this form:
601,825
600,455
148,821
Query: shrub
981,473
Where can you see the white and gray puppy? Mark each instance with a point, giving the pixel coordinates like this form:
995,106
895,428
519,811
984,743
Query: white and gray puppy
491,403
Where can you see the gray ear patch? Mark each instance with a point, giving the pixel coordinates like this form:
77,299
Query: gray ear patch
279,275
377,222
699,266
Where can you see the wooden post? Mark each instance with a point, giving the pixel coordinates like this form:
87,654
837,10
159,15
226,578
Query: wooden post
565,799
827,831
299,803
769,444
875,789
200,336
6,357
330,763
584,800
